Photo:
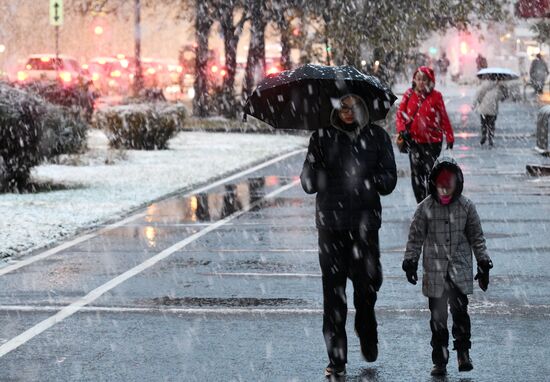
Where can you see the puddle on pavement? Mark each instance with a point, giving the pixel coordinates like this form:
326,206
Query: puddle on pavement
167,220
220,203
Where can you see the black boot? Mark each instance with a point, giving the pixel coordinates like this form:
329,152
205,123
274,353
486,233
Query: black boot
369,349
483,139
464,361
439,370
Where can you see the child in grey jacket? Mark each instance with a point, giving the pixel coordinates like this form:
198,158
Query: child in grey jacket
446,229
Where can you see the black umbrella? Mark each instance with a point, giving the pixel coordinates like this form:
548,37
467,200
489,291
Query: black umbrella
304,98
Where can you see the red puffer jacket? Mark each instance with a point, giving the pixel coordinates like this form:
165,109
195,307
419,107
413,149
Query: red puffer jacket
430,121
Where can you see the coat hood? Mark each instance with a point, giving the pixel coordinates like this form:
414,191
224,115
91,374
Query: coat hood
337,123
427,71
451,165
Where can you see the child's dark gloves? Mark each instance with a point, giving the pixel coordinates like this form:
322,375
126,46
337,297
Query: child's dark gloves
410,267
482,275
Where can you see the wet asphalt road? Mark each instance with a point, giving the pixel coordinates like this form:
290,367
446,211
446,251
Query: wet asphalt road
243,301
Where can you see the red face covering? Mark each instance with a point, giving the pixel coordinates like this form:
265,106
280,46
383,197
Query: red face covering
446,184
445,199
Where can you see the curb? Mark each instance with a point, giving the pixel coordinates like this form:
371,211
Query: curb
538,170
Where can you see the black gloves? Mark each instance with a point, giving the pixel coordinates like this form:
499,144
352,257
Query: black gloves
482,275
405,135
450,145
410,267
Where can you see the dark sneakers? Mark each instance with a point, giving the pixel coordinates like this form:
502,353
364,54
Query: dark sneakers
439,370
464,361
335,371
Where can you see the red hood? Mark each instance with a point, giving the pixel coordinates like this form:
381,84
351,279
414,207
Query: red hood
427,71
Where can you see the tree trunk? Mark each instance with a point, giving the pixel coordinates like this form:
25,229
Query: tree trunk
231,35
255,63
284,28
203,23
138,74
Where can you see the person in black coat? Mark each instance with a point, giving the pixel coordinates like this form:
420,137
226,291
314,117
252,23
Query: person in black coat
349,165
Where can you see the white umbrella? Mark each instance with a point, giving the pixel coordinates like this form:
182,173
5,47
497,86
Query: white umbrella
497,74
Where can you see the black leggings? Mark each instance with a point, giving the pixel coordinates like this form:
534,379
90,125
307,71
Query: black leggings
422,157
353,254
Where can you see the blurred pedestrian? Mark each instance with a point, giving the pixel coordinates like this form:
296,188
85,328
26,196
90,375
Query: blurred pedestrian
486,101
349,165
538,73
446,229
420,122
443,64
481,62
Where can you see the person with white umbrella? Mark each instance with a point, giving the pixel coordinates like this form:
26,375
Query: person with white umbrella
487,98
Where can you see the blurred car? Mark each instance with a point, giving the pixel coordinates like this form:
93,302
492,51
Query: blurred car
48,67
187,57
109,75
160,73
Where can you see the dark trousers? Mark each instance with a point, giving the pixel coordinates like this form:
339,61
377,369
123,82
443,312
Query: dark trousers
356,255
458,302
538,85
488,128
422,157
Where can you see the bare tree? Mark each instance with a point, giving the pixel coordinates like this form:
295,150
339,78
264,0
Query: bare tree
231,34
255,63
203,23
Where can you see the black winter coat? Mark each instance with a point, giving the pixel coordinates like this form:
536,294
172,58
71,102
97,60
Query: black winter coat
349,175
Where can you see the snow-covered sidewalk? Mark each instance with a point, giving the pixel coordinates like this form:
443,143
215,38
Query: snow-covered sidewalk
97,192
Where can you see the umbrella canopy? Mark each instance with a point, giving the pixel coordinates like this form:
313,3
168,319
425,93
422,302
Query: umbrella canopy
497,74
304,98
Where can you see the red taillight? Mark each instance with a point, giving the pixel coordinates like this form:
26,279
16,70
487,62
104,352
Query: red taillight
214,69
95,77
223,73
273,70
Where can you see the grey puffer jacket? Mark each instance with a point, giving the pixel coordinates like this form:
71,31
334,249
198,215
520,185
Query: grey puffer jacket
446,236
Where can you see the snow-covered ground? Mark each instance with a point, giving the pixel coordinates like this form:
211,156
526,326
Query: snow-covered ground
104,184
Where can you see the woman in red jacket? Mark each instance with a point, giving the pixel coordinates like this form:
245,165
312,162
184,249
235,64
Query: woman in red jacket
421,122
